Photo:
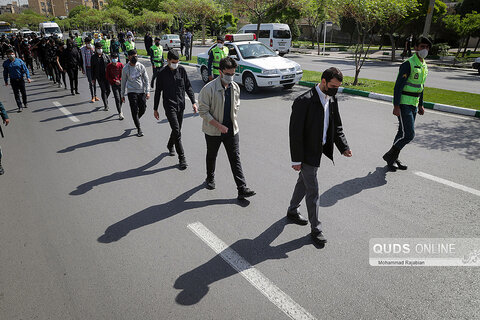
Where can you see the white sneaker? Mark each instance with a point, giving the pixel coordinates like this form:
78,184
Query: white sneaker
120,116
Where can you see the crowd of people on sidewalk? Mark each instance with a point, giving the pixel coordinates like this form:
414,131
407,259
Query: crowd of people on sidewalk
315,124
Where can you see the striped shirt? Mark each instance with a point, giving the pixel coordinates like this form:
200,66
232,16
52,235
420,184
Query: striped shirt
87,54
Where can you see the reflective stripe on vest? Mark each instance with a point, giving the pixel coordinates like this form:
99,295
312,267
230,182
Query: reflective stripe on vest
129,46
218,54
79,41
415,82
157,55
106,46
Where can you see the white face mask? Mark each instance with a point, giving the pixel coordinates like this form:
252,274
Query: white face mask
227,78
220,45
174,65
129,39
423,53
99,51
89,45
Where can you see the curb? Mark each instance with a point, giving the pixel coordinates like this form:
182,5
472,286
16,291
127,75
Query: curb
388,98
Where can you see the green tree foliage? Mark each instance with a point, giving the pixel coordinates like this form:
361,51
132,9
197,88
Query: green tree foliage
465,27
467,6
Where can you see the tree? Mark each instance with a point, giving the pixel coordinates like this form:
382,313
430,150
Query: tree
314,12
149,20
464,27
467,6
121,17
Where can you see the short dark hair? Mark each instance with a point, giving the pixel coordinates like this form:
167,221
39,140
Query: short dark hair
423,40
10,51
228,63
172,55
114,55
220,38
88,39
98,45
157,39
331,73
132,52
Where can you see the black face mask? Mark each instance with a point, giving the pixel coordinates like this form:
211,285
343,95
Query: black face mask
331,92
157,43
134,59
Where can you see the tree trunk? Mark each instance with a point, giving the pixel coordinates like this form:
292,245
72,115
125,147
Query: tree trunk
476,47
204,26
466,45
258,28
313,36
392,41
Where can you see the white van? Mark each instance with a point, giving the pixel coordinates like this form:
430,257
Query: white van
49,29
276,36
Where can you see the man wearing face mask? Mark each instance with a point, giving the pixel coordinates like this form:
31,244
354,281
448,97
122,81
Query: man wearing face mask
99,67
135,82
156,58
73,62
174,83
114,77
315,126
216,54
62,61
407,97
129,44
26,50
16,69
87,52
219,102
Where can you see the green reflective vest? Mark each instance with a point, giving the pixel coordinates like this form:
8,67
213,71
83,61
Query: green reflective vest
105,45
79,41
157,55
415,82
129,46
218,54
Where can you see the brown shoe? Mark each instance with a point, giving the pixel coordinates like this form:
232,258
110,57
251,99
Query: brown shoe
93,100
96,99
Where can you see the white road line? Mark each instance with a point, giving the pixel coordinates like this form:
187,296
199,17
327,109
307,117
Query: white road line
448,183
255,277
426,110
65,111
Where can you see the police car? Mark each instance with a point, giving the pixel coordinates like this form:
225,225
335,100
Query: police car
258,65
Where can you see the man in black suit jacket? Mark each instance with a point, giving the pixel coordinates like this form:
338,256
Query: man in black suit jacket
315,125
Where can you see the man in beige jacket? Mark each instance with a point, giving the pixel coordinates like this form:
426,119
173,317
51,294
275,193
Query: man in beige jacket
219,102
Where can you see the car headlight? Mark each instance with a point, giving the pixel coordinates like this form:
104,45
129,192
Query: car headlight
274,71
298,68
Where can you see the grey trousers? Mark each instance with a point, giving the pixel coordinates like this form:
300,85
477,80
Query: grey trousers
307,186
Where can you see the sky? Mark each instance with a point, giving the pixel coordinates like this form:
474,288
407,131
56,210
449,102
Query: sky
4,2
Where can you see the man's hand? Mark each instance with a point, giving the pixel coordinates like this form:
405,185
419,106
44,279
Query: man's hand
396,111
123,100
156,115
6,122
117,82
61,69
148,96
83,71
421,110
29,80
195,108
347,153
210,78
297,167
222,128
93,81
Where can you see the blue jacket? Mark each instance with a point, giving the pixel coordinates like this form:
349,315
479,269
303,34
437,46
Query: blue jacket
3,112
15,69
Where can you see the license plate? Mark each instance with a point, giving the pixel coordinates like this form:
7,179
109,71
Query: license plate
288,76
281,43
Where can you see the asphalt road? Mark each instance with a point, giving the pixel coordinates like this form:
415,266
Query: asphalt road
97,223
466,80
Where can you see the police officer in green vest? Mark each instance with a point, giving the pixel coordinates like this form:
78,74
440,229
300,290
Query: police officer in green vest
78,40
156,58
216,54
408,100
129,44
105,42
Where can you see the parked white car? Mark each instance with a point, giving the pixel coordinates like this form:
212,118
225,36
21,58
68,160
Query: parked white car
277,36
170,41
258,65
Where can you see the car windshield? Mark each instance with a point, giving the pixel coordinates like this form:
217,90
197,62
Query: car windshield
174,37
281,34
255,50
52,30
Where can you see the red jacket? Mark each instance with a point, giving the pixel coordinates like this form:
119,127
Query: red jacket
114,72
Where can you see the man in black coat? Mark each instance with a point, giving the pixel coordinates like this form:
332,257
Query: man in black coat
99,67
315,125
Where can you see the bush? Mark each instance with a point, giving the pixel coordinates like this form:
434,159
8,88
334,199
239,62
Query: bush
439,49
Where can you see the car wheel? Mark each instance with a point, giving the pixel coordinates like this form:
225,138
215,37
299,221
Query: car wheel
281,54
249,83
204,74
288,86
479,70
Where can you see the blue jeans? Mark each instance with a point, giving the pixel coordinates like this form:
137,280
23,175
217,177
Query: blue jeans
406,126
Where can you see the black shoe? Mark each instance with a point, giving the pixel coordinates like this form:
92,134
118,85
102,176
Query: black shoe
296,217
73,93
140,133
25,105
318,237
19,110
245,193
182,163
76,92
210,184
171,151
105,108
400,165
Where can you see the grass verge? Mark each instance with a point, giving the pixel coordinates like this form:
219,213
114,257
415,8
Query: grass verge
449,97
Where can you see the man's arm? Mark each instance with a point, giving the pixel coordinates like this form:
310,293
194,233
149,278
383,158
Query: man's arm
339,136
158,90
403,75
5,72
3,112
210,63
146,83
123,82
296,128
188,87
204,101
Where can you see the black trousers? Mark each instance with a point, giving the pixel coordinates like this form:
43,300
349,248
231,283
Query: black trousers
73,76
63,77
29,63
138,105
105,91
116,89
18,86
53,71
175,118
232,147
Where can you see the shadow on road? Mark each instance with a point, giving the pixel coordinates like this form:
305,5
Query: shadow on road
185,116
195,284
107,119
160,212
132,173
73,114
97,142
352,187
462,136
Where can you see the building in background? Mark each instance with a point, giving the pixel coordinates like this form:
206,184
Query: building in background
12,8
57,8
